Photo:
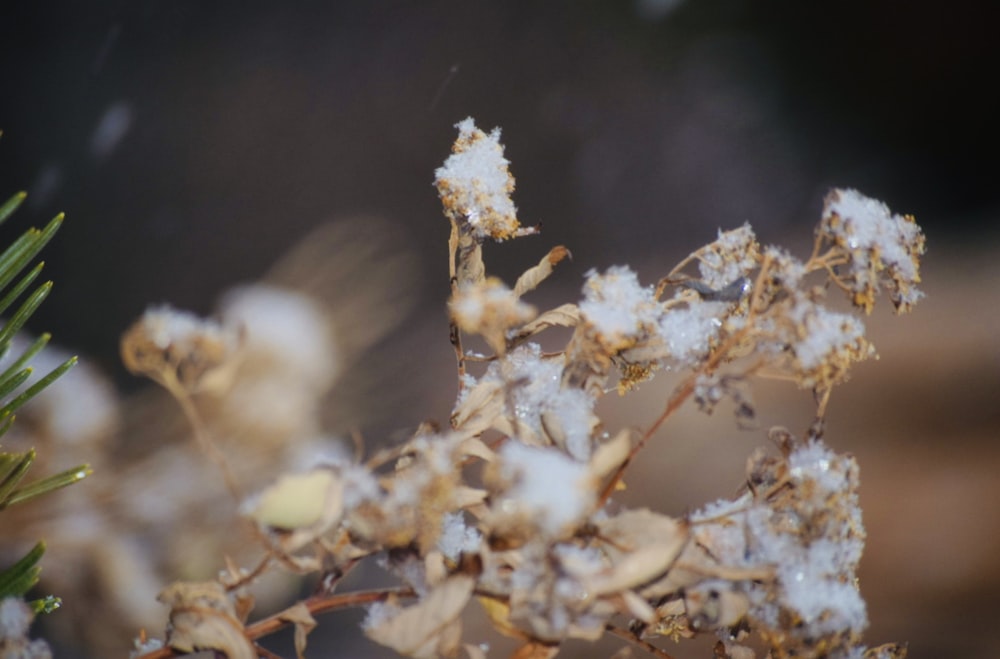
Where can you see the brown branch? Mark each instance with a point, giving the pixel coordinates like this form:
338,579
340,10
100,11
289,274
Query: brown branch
316,605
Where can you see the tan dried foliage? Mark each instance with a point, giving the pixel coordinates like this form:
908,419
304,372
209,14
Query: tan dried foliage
510,505
203,617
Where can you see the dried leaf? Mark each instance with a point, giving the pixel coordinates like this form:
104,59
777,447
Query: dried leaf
488,308
299,616
303,505
536,275
298,500
651,542
475,447
638,607
610,455
422,630
482,406
499,614
566,315
202,617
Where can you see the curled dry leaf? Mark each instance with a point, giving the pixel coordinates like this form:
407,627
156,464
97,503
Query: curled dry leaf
299,616
610,455
480,406
202,617
426,629
536,275
565,315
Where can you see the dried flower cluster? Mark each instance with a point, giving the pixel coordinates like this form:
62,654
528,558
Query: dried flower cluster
511,505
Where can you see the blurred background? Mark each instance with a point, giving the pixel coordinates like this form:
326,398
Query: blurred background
192,144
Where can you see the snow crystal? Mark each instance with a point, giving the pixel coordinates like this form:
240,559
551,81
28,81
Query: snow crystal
166,326
868,224
617,305
731,256
380,613
15,618
143,647
579,561
548,485
785,268
827,332
688,331
539,400
457,538
474,182
814,461
359,486
825,604
722,508
879,242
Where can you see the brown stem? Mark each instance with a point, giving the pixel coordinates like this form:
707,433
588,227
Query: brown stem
316,605
201,436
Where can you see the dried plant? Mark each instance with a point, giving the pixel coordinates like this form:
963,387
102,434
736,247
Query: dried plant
512,503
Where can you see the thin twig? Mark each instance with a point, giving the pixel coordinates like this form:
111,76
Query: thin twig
180,394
